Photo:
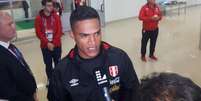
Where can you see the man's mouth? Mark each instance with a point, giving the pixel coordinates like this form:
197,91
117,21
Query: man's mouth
91,49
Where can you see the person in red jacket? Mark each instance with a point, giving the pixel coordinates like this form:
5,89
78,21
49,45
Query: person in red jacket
79,3
150,15
48,30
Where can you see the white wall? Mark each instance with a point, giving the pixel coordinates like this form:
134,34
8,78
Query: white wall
121,9
96,4
193,2
118,9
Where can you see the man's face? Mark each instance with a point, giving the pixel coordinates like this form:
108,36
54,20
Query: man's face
87,35
49,6
151,1
7,28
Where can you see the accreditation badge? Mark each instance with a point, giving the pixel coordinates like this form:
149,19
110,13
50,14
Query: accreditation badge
49,35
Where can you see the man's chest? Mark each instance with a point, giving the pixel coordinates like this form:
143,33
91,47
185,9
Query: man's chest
85,83
151,11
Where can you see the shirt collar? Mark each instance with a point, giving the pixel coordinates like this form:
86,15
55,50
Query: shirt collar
5,44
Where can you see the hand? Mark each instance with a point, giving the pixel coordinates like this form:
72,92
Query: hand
35,97
50,46
155,17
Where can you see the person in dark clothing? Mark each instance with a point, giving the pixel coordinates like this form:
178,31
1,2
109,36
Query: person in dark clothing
168,87
58,7
25,7
17,82
92,65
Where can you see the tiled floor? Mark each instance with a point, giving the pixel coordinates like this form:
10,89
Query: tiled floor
177,47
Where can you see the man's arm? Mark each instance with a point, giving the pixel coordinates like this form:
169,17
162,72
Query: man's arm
142,16
58,31
129,81
56,91
8,89
160,14
39,31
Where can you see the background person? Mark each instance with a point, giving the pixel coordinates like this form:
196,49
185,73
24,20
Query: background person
150,15
48,30
17,82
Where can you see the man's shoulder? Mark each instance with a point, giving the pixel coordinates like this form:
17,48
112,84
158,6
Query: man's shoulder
116,51
158,7
112,50
3,52
54,13
62,63
38,17
144,6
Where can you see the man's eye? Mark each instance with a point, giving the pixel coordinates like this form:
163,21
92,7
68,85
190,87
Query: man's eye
83,35
98,33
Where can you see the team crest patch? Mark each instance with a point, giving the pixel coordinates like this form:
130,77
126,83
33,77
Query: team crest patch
114,71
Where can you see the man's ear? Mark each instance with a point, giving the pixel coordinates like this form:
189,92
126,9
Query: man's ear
71,34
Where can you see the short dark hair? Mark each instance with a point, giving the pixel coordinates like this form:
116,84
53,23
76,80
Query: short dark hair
171,86
43,2
83,13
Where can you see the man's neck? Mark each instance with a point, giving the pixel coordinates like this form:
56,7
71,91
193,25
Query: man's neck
151,5
47,13
5,41
84,57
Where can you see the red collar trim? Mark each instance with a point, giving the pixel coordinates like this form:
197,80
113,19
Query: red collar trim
72,52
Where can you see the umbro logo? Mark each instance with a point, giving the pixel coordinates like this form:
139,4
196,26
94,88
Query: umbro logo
74,82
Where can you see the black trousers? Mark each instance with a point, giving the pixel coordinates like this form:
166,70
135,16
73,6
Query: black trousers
25,6
26,13
49,57
146,36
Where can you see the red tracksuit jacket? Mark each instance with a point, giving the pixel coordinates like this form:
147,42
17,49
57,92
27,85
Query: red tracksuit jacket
145,15
52,22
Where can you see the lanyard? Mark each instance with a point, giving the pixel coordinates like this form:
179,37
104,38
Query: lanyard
51,24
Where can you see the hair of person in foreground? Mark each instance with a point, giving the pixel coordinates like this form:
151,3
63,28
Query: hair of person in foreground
168,87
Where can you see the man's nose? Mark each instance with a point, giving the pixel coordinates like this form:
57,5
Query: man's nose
92,40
